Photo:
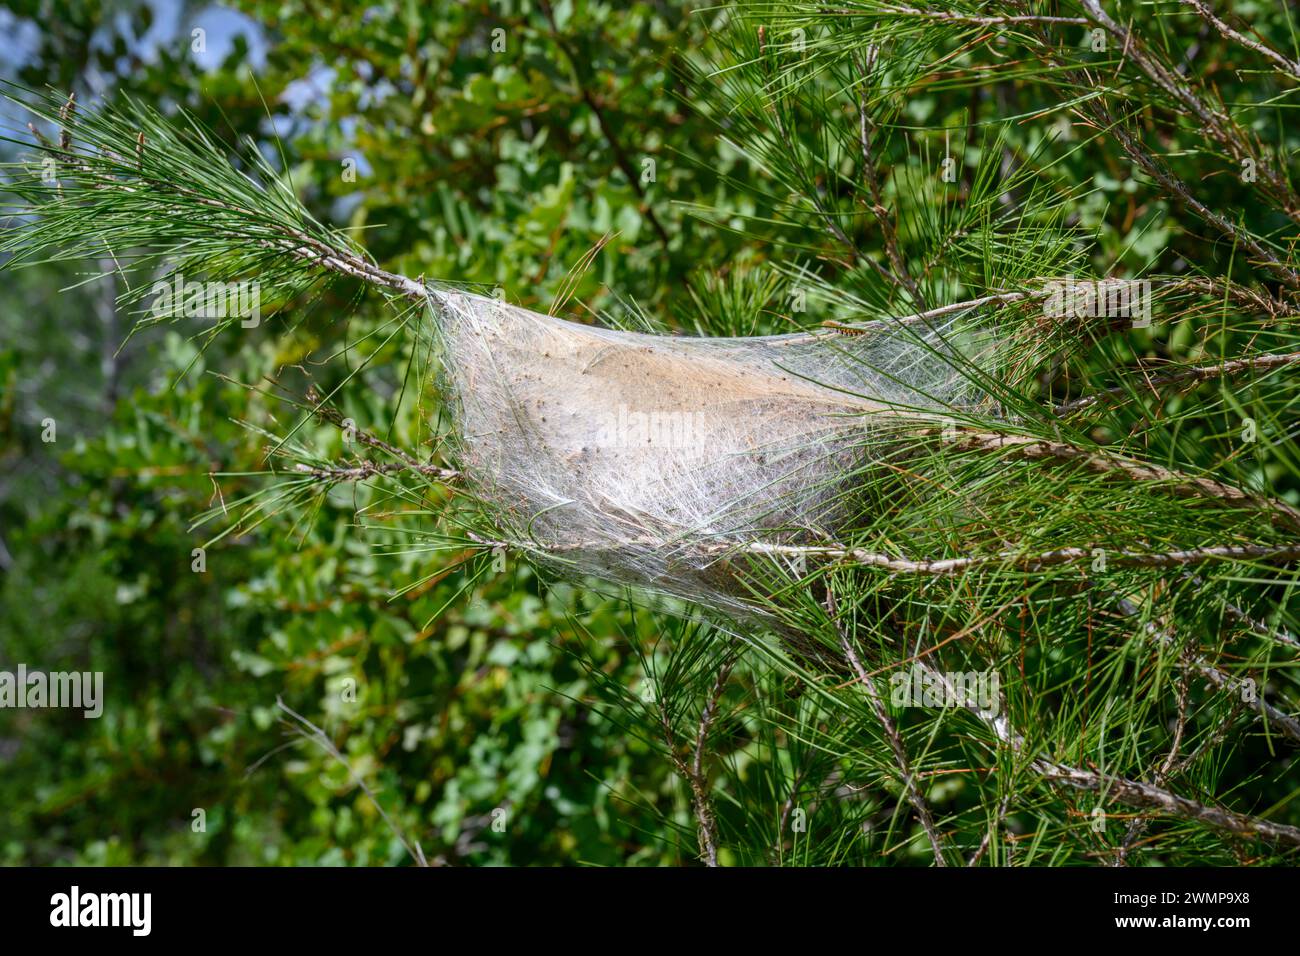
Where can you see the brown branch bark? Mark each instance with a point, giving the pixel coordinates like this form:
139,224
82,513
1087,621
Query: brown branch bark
883,217
372,469
1103,462
1196,373
896,745
1219,126
1228,33
1131,792
1018,560
694,773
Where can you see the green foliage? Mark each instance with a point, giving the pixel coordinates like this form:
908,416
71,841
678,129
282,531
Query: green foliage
1117,544
479,167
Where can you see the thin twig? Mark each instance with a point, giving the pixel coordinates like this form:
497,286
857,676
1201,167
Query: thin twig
620,156
1219,126
1123,790
866,131
1289,725
703,808
812,194
936,567
1290,66
1279,635
311,732
694,773
1276,308
1093,110
914,795
1104,462
1015,559
1196,373
367,469
951,16
988,834
1139,825
371,469
1180,191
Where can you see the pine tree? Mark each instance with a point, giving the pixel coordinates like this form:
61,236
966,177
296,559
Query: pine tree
1059,624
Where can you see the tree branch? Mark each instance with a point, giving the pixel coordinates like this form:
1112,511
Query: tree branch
1018,560
866,130
1219,126
914,795
693,773
1196,373
1290,66
1130,792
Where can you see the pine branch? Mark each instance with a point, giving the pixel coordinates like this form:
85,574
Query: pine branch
1259,628
1107,463
890,728
883,217
987,839
1290,66
371,469
1199,373
1179,191
1014,560
703,807
953,16
1130,792
405,461
928,567
1289,725
1219,126
693,773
